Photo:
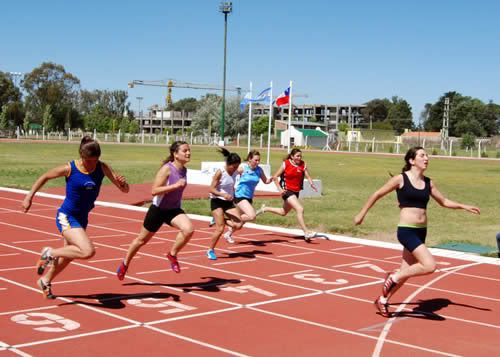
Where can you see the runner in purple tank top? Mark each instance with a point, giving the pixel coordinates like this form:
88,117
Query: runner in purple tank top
168,186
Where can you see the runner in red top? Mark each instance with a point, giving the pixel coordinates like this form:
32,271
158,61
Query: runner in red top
292,174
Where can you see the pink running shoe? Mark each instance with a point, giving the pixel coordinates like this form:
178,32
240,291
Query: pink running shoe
389,284
174,264
382,308
121,271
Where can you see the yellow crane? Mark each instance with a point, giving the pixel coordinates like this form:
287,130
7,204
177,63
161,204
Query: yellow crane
170,83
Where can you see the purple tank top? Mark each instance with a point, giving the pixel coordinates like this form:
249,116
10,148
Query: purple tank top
172,199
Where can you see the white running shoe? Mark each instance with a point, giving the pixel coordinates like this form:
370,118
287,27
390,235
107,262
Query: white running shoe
212,222
309,235
229,237
260,210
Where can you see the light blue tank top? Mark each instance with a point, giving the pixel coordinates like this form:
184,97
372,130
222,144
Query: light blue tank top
82,190
248,181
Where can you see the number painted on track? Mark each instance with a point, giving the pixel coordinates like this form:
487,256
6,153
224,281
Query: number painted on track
316,278
44,318
159,303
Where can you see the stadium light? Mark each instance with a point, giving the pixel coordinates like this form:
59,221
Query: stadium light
225,7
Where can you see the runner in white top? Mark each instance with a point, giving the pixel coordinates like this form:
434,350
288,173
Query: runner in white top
221,200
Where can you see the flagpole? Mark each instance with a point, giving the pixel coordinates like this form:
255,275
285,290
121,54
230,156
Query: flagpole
290,119
250,119
269,123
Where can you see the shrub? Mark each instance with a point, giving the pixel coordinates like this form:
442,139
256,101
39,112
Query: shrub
434,152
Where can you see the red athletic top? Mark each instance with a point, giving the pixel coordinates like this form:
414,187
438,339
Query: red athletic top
293,175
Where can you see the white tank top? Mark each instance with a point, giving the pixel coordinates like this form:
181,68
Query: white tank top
226,184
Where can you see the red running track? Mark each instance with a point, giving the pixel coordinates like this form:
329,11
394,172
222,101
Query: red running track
270,293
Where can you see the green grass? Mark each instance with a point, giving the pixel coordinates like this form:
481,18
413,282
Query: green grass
348,180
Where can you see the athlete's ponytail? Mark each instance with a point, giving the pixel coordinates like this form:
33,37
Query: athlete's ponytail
231,157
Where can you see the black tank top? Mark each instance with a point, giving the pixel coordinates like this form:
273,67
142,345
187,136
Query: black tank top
409,196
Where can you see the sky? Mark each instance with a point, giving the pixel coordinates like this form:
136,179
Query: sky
335,52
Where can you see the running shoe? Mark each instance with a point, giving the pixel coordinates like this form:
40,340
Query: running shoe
211,254
389,284
44,260
260,210
309,235
212,222
174,264
121,271
229,237
382,308
46,289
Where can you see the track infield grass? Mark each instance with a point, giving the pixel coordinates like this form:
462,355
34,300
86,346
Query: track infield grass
348,180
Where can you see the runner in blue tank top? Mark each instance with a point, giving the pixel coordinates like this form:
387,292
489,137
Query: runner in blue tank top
83,182
168,186
250,175
413,192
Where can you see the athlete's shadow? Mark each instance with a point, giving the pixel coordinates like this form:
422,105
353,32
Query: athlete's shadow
115,301
263,243
212,285
249,254
426,309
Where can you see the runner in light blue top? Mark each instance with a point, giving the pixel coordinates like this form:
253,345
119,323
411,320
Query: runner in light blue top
250,174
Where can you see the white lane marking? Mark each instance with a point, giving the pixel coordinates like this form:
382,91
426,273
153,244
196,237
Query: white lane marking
290,273
387,327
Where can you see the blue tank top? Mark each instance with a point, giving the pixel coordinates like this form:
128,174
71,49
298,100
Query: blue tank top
172,199
409,196
248,181
82,190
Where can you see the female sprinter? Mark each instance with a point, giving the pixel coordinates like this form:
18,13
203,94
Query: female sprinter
221,200
250,175
413,191
168,186
292,173
83,182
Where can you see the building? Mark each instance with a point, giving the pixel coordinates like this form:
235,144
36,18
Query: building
310,116
160,121
304,137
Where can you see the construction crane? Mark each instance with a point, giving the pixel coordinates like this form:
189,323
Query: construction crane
170,83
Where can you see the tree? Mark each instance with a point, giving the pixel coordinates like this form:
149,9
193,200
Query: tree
400,115
4,119
260,125
8,91
188,105
376,109
235,121
207,114
133,127
47,119
50,84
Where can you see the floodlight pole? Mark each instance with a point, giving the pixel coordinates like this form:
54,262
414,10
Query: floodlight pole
225,7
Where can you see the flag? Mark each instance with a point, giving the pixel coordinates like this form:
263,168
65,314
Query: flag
283,98
263,96
245,101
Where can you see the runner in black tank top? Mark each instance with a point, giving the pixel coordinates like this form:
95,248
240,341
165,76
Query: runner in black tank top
413,192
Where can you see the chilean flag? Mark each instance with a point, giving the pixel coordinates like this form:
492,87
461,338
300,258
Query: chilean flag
283,98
